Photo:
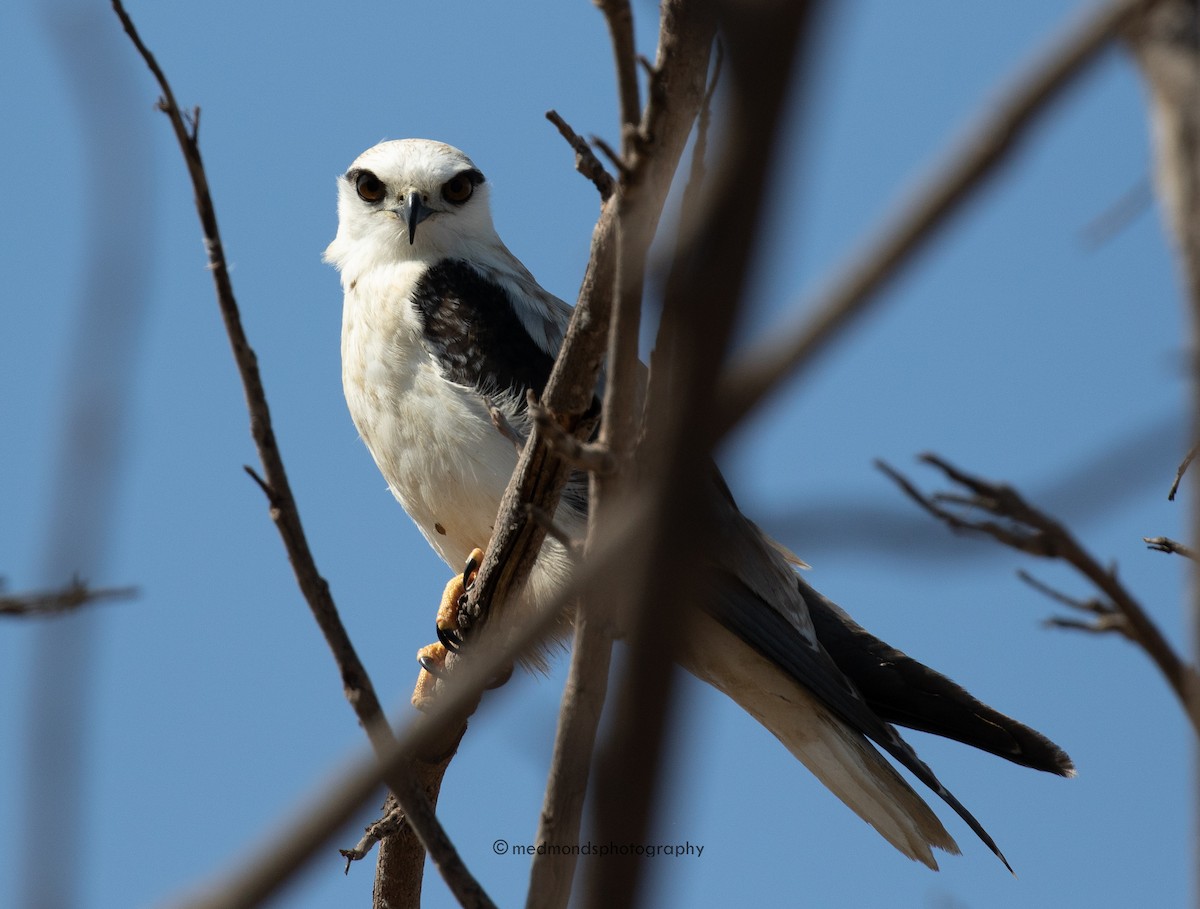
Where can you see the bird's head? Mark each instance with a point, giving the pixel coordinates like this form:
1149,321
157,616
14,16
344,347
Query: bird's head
410,199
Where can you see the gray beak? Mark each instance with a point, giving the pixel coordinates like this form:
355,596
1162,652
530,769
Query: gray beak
417,212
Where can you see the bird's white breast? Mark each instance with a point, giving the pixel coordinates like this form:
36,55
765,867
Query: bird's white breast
433,440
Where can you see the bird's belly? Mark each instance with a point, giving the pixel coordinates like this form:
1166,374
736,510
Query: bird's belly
443,460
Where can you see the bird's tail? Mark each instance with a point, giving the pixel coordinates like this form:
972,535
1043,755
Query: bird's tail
840,757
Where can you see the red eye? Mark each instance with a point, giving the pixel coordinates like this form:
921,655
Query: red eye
370,187
458,189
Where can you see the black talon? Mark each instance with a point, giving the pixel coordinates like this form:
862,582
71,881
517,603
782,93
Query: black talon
468,583
450,639
431,667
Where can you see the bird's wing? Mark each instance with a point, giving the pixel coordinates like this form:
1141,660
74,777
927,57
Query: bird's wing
544,315
902,690
473,332
496,331
758,598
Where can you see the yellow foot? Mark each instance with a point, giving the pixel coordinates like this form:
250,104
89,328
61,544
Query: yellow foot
432,657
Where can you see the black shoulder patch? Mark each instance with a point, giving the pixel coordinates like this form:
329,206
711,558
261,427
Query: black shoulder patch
472,330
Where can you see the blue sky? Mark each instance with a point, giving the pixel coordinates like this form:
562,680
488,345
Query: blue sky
211,706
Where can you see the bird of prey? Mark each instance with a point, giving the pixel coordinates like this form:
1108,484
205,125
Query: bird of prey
442,325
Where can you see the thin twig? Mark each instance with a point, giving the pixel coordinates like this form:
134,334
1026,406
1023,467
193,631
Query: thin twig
284,512
1183,466
391,821
619,16
1118,215
1166,544
593,457
66,599
586,161
857,285
612,154
1026,528
1105,616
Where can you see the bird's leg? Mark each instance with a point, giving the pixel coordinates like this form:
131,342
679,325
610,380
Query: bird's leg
432,657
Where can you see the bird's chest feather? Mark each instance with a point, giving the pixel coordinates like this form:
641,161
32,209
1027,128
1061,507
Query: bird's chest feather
432,439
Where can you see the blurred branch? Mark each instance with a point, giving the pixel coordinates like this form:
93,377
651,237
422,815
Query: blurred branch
66,599
700,301
988,144
1166,43
652,143
1023,527
409,788
1118,215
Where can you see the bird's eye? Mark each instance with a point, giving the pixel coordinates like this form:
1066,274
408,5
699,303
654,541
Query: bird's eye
458,189
370,187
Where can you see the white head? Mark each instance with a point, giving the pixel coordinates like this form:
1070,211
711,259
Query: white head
410,199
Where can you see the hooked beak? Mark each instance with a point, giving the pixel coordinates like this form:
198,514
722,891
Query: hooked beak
417,212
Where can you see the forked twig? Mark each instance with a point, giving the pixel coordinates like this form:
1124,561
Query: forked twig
1021,526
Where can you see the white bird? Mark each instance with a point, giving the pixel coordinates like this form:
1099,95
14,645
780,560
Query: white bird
441,321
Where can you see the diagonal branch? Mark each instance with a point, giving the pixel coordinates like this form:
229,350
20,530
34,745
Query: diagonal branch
407,787
1023,527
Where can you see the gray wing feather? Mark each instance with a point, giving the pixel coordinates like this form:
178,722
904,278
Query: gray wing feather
757,597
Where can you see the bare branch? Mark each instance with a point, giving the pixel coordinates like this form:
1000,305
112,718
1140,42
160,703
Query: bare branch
593,457
619,17
612,154
1105,616
284,512
1024,527
1166,544
551,875
391,822
66,599
857,285
586,161
1183,466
